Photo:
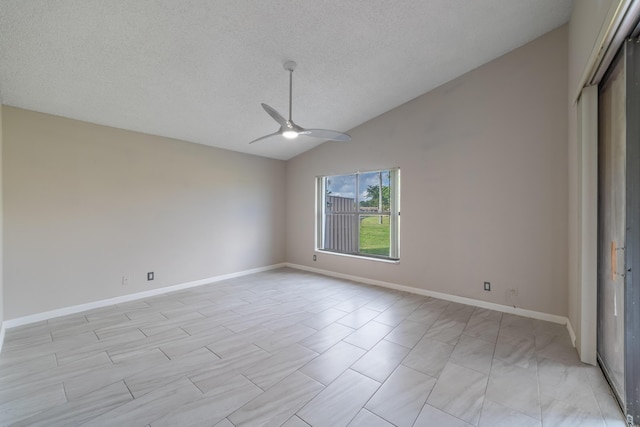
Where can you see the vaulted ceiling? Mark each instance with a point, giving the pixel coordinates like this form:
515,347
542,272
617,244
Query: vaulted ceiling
197,70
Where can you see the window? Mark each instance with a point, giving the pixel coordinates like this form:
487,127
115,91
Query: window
359,214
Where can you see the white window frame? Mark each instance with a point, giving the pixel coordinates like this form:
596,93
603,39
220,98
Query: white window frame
393,213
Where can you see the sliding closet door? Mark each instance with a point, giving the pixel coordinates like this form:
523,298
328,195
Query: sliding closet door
619,228
632,253
611,217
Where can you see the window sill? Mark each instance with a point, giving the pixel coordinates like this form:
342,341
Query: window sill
368,258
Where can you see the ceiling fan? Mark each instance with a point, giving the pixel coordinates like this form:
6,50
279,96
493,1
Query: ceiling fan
288,128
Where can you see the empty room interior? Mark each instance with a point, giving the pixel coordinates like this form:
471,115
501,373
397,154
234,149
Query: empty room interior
320,213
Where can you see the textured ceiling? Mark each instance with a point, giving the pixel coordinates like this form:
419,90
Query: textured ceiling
197,70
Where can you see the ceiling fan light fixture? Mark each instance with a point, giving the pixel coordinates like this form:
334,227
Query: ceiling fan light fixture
290,134
288,128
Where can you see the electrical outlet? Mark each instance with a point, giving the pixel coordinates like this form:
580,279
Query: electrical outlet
314,258
487,286
150,275
125,280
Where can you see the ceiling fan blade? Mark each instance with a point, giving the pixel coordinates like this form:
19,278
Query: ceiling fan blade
288,128
326,134
275,115
265,137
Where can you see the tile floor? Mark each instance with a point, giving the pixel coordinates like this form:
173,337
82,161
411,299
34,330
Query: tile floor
292,348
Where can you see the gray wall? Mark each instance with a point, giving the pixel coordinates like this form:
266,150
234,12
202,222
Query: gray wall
87,204
484,183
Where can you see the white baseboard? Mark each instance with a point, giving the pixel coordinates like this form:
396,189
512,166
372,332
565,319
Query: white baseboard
20,321
572,334
453,298
2,335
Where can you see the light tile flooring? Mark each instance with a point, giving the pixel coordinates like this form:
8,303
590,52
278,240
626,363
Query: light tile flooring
292,348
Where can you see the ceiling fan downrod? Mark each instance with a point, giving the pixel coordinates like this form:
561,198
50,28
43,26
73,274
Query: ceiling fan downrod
290,66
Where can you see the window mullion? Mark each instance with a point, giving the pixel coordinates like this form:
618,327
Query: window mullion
356,219
322,212
395,212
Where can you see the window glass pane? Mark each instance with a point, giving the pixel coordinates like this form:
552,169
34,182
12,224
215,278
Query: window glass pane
374,234
340,193
368,191
374,191
386,190
341,233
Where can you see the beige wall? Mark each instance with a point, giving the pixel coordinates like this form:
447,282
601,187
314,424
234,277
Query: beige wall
483,162
1,229
87,204
484,183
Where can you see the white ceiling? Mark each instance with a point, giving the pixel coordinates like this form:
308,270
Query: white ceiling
197,70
